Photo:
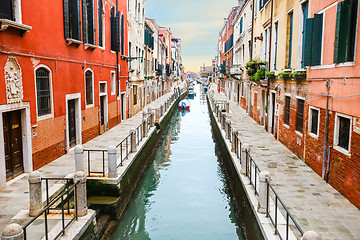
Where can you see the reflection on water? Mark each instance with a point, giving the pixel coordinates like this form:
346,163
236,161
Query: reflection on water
184,193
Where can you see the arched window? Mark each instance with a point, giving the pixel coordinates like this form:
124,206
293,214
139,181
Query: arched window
89,87
43,91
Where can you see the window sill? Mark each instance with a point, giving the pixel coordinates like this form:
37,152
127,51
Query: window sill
299,133
70,41
6,23
346,64
90,46
342,150
44,117
286,126
313,135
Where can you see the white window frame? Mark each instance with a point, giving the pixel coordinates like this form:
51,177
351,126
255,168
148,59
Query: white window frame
92,89
310,122
336,133
51,114
113,82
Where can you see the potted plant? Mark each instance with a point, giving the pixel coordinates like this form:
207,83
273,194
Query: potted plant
285,75
256,70
299,75
270,75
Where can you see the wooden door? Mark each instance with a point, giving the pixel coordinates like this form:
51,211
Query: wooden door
72,123
102,114
13,144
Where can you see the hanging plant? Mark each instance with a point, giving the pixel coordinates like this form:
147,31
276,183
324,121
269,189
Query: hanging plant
256,70
285,75
299,75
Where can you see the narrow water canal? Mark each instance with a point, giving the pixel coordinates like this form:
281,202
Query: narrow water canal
186,192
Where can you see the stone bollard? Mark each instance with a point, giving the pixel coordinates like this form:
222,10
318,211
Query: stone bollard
311,235
150,115
234,142
227,128
264,175
157,115
144,127
132,140
79,158
245,147
35,193
81,198
112,162
152,118
227,107
144,115
13,231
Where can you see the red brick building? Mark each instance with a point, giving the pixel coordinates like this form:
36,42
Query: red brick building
63,81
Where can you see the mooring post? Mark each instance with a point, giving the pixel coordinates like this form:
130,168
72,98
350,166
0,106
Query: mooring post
79,158
227,106
227,128
132,140
245,149
157,115
35,193
81,198
13,231
112,162
311,235
263,194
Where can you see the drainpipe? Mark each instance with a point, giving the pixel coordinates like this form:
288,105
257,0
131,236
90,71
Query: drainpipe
252,49
268,80
327,84
328,164
117,77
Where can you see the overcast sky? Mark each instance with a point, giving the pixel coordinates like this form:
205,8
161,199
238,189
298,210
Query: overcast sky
196,22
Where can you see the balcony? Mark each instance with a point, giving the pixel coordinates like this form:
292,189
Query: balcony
235,70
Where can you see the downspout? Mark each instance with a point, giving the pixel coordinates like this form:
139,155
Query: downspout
327,83
252,48
268,80
117,77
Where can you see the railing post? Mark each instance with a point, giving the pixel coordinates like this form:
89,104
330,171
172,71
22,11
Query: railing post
35,193
79,158
227,128
227,106
151,116
144,124
132,140
234,141
157,115
245,148
13,231
81,198
112,161
264,175
311,235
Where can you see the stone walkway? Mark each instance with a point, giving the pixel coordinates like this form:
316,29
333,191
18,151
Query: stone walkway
316,205
15,197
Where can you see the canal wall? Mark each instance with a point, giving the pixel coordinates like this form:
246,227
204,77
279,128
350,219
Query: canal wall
260,225
116,193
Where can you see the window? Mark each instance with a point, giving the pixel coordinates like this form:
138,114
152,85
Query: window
115,30
135,94
122,35
6,10
313,40
43,91
113,82
88,22
262,3
72,24
342,132
300,116
314,121
287,110
89,87
276,43
305,13
101,24
241,25
345,33
290,33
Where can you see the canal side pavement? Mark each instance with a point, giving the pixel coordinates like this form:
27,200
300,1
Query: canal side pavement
316,205
14,198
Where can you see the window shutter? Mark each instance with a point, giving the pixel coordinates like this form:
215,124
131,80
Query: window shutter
91,22
117,32
85,21
6,9
122,35
100,7
337,55
112,28
308,41
66,19
78,32
353,9
316,40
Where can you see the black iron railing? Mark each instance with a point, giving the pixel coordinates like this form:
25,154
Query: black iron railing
123,149
252,171
89,160
60,201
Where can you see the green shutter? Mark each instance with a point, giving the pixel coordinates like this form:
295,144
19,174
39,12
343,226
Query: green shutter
316,40
308,41
353,9
117,32
122,35
78,21
337,57
66,19
85,21
91,22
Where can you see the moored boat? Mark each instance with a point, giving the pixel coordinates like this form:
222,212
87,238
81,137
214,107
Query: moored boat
184,104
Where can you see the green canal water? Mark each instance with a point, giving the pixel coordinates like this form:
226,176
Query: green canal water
187,191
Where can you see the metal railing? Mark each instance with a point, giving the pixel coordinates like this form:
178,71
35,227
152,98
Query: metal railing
97,152
60,200
273,215
123,149
253,172
139,134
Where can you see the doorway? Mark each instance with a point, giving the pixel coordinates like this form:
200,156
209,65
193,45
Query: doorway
13,144
102,114
272,112
238,93
72,123
123,106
